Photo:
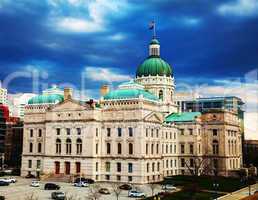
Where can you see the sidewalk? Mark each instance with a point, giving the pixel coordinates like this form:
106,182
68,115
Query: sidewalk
237,195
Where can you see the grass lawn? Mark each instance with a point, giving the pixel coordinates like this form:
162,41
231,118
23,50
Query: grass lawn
226,184
182,195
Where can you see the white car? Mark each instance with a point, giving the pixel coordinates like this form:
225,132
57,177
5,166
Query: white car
81,184
134,193
9,180
168,187
35,184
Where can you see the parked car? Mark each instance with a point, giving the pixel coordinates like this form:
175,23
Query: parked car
85,180
58,195
81,184
2,198
168,187
9,180
104,191
3,183
134,193
51,186
34,184
30,176
125,187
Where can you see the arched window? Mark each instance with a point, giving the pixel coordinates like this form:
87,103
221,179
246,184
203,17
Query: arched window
58,146
153,167
108,148
215,147
79,146
31,147
130,148
39,147
157,148
161,94
147,149
152,148
148,167
68,146
158,166
119,148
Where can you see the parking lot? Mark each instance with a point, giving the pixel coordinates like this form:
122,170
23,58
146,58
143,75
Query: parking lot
21,190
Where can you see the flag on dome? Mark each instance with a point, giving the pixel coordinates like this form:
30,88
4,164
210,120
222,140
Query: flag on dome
151,25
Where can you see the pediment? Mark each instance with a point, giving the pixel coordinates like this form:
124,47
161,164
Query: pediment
154,117
70,105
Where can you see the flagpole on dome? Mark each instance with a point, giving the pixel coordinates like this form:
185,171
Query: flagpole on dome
152,26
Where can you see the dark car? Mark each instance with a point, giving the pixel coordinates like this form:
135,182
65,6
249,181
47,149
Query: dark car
104,191
30,176
125,187
2,198
85,180
4,183
51,186
58,195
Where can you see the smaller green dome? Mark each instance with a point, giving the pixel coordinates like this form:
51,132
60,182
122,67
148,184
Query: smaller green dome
46,99
129,94
154,41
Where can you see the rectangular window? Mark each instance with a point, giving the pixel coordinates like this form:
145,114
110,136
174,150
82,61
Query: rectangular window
191,162
68,131
130,167
190,131
118,167
107,166
182,162
31,133
97,132
97,148
30,164
130,178
118,178
108,132
214,132
107,177
38,164
191,148
147,132
130,129
97,166
182,148
58,130
78,131
119,132
40,132
157,133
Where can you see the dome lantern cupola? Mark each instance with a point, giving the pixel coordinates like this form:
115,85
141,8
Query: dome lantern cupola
154,48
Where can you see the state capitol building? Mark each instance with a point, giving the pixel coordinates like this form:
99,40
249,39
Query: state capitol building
135,133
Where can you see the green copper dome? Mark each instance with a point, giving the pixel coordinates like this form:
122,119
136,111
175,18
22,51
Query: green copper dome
129,94
154,66
46,99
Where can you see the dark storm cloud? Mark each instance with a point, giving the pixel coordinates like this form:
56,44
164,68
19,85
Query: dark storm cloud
197,39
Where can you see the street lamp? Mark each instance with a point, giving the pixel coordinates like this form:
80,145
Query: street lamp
216,186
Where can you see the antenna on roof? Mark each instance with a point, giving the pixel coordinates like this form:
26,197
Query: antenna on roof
152,26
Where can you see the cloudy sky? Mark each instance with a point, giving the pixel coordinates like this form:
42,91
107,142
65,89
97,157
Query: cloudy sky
212,46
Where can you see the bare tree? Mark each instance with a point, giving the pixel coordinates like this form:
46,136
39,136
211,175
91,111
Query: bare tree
93,193
31,197
152,186
117,191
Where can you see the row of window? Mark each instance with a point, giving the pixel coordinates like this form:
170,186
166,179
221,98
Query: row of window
156,166
118,167
39,133
165,148
39,147
191,149
155,133
38,164
189,131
